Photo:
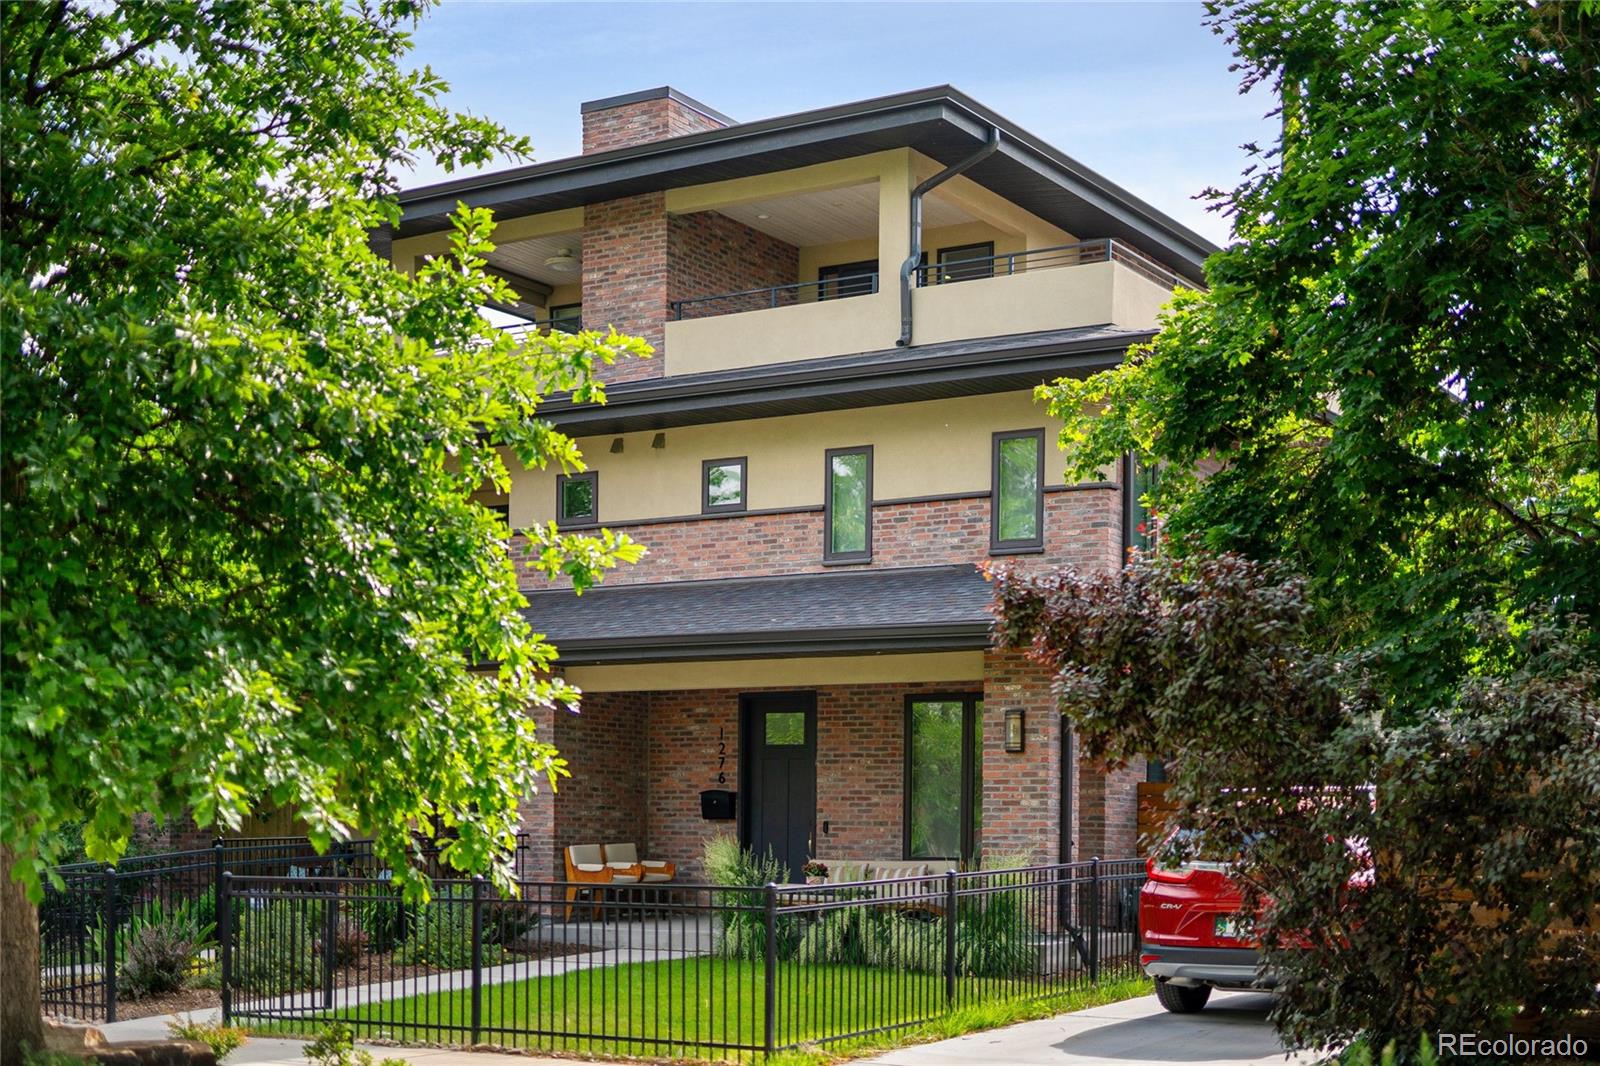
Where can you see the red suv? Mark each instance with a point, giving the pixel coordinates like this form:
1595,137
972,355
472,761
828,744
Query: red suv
1192,936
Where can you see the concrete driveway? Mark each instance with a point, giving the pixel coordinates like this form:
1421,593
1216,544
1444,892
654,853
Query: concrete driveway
1231,1031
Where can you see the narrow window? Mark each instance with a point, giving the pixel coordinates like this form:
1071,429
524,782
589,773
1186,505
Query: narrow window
722,485
847,506
964,262
577,498
501,511
1141,481
943,777
1016,501
567,318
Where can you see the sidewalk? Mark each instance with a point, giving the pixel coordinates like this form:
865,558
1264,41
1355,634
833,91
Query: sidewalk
1231,1031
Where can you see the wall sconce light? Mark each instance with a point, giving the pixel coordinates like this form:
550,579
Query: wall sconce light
616,446
660,441
1014,729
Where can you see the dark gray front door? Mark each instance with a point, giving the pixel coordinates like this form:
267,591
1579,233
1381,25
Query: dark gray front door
780,772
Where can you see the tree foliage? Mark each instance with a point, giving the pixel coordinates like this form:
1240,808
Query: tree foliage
1395,370
240,562
1435,876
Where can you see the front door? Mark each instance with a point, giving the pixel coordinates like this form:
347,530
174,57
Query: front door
779,734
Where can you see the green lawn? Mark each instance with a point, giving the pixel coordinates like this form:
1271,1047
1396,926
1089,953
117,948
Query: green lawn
697,1008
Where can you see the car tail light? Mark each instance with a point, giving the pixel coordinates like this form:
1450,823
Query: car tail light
1145,960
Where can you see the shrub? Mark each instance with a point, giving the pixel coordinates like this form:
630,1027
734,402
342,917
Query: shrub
386,919
743,927
350,942
441,935
188,915
157,959
223,1040
336,1047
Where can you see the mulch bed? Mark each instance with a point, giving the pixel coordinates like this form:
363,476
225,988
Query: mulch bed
371,970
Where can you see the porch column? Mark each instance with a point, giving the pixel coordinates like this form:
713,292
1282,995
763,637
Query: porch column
1021,790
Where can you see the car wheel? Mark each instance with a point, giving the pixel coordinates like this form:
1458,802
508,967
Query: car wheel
1182,999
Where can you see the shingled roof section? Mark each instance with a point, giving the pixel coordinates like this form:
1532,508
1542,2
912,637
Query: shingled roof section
935,608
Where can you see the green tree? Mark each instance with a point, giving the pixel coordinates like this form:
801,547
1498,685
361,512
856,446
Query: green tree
1395,370
240,562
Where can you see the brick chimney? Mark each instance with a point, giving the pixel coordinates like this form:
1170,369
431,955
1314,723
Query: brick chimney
642,117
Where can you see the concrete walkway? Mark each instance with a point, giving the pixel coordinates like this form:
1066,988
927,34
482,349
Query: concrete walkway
1231,1031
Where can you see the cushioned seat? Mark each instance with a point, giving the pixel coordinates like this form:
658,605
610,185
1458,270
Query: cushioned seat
586,865
623,860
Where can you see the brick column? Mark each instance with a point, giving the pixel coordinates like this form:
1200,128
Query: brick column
1021,790
625,277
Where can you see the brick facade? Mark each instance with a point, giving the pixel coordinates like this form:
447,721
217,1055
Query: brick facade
1082,529
1021,790
709,254
642,122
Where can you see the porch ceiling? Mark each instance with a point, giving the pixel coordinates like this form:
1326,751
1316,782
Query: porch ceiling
936,608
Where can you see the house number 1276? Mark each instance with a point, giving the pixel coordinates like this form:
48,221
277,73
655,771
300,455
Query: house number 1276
722,755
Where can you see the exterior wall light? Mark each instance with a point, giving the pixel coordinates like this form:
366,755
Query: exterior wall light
1015,734
660,441
616,446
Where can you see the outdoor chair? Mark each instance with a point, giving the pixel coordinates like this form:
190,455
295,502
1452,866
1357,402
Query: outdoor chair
586,865
627,868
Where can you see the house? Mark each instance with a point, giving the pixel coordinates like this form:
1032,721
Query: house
850,309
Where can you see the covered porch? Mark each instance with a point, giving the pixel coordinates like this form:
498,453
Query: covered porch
855,717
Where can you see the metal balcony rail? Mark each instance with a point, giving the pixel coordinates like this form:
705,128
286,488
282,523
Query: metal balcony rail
730,303
543,326
1104,250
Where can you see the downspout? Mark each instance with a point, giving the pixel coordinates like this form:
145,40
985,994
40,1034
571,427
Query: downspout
908,268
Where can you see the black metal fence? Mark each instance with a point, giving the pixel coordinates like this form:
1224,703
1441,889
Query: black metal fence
677,970
87,924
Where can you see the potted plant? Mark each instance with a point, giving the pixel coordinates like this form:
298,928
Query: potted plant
816,872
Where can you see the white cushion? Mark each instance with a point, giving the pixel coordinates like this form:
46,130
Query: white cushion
588,867
657,863
585,853
625,879
622,865
624,853
657,877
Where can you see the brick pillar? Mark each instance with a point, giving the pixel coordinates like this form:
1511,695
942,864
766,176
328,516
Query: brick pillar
538,812
1108,810
625,277
1021,790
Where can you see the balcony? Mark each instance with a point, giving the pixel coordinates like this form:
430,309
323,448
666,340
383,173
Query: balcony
1081,284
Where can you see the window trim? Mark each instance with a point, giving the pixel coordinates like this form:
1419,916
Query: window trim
940,264
555,319
562,522
743,504
1036,542
829,556
971,724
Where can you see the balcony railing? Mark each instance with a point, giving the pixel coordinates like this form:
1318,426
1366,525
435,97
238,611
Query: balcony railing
730,303
543,326
1104,250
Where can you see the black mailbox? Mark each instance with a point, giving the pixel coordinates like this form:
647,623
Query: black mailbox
716,805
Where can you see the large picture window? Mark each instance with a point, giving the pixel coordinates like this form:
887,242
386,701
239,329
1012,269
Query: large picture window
1017,497
847,506
943,777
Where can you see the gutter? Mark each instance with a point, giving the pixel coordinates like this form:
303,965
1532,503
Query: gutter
914,259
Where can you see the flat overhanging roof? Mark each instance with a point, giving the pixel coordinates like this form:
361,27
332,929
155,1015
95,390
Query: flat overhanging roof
940,122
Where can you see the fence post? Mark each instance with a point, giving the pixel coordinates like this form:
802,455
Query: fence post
225,937
770,957
477,958
108,961
1094,920
330,933
950,938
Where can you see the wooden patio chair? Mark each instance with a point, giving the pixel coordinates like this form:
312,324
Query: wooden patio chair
624,862
586,865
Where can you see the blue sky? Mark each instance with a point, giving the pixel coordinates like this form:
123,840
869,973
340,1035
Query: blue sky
1140,92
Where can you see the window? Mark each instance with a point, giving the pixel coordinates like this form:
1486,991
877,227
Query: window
847,279
964,262
785,729
847,506
501,511
577,498
1140,478
566,318
943,777
1016,502
722,485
